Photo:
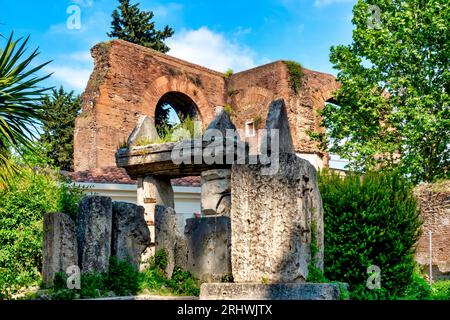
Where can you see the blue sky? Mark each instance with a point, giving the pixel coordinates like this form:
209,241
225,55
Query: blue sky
222,35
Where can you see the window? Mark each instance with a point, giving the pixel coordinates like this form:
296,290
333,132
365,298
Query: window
250,129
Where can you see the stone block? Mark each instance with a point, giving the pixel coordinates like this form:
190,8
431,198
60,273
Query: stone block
209,246
94,227
273,217
169,239
60,249
277,119
280,291
130,233
145,129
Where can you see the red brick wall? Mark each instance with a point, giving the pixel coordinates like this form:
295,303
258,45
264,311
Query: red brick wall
434,201
128,80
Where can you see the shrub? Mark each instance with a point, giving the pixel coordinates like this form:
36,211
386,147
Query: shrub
22,207
122,277
440,290
228,73
369,220
418,289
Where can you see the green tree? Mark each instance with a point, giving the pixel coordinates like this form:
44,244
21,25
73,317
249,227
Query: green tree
393,103
370,220
58,114
136,26
19,102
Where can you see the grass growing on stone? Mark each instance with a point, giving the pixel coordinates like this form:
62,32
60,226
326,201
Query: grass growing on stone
185,130
122,279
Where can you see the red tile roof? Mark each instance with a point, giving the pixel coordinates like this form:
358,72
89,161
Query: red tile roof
120,176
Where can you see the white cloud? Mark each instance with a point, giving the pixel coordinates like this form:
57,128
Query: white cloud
75,78
165,10
324,3
79,56
210,49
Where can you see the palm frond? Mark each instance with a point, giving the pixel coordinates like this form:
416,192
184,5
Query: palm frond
20,98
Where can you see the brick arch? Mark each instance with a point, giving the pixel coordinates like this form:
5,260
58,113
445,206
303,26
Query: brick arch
251,102
165,84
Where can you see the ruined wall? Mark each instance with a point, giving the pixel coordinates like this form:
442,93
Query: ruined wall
250,92
128,80
434,201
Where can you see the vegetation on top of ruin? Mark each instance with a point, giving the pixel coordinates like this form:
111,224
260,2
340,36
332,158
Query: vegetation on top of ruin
295,70
228,73
187,129
131,24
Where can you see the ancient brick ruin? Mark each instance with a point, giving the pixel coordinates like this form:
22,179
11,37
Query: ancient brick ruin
434,202
129,81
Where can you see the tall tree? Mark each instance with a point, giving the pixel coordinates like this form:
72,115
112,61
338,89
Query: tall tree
131,24
58,114
393,105
19,102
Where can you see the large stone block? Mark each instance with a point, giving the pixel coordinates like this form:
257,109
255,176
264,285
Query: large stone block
59,246
94,227
145,129
273,218
216,192
130,233
209,247
279,291
169,239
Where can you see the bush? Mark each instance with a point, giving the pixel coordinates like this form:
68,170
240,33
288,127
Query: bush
440,290
122,278
22,207
369,220
418,289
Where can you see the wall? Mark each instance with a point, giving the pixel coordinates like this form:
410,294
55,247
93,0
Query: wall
128,80
434,201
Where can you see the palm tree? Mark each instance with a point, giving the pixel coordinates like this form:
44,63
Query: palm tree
19,102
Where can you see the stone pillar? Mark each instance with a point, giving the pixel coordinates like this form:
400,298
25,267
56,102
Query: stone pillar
273,220
216,192
60,249
130,234
94,227
209,247
153,191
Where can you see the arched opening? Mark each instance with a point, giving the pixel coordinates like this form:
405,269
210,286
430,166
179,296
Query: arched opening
173,108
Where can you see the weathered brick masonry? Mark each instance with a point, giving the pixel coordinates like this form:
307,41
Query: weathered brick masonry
128,81
434,201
